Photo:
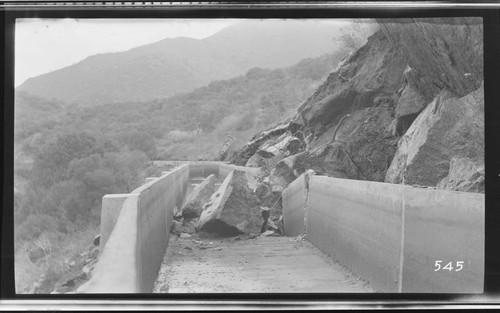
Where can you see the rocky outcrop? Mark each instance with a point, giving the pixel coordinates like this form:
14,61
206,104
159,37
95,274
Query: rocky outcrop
370,77
465,175
443,53
233,209
410,104
345,126
448,128
416,78
197,198
241,157
363,147
269,198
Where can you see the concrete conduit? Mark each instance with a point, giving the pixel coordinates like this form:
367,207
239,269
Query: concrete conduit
135,227
398,238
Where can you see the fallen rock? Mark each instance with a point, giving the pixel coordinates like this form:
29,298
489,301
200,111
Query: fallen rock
233,209
94,253
284,143
189,225
177,213
281,228
197,198
176,227
256,160
278,183
447,128
87,269
265,211
410,104
465,175
185,235
441,50
268,233
97,240
267,197
241,157
358,148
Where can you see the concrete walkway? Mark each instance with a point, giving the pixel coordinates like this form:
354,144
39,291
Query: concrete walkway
259,265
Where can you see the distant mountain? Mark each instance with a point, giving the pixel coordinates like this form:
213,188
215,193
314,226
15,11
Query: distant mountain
171,66
239,107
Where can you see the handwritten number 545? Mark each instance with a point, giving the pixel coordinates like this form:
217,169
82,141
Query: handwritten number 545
449,266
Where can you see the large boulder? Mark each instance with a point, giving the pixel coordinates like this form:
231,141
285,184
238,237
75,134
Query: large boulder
444,53
371,77
410,104
197,198
241,157
267,197
233,209
361,148
465,175
447,128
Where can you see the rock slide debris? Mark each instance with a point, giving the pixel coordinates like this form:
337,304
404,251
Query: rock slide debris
233,209
198,197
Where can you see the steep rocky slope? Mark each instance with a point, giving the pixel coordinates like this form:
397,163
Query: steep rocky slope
407,107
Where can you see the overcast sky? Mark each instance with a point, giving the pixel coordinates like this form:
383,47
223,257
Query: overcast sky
45,45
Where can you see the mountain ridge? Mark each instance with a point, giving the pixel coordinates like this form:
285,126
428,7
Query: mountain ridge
173,65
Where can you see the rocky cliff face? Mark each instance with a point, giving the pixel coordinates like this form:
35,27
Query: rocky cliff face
405,108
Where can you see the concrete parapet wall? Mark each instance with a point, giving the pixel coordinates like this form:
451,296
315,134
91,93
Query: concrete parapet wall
117,270
392,235
150,179
204,169
135,228
444,226
111,208
157,201
294,206
358,223
134,251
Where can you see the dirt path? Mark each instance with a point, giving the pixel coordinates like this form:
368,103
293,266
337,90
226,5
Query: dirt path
262,265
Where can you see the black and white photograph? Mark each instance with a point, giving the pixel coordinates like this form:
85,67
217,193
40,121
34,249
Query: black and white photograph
249,155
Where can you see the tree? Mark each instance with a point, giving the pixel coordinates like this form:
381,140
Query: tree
51,162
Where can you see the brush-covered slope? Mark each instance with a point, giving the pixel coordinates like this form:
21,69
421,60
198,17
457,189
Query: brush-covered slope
237,107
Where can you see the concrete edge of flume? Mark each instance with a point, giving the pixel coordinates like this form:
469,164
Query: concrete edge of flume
120,251
300,211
